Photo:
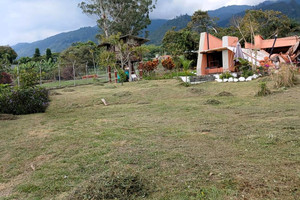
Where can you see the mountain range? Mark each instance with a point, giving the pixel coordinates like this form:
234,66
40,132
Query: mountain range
157,28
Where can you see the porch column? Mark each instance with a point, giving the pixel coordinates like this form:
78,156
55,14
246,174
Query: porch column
200,56
225,60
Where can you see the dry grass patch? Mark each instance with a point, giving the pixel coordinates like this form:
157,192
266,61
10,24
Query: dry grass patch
243,148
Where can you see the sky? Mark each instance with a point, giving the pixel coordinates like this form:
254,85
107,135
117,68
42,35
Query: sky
32,20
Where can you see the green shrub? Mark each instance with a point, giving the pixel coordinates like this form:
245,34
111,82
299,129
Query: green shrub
4,88
28,78
226,75
264,90
24,101
247,73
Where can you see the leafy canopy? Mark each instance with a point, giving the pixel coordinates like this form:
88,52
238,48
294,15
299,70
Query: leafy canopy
124,16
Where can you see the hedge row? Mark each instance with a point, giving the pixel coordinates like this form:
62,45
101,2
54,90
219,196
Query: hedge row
24,101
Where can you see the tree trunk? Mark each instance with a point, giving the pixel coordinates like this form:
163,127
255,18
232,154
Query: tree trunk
130,70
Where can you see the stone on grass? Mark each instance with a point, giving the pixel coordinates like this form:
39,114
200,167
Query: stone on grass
242,79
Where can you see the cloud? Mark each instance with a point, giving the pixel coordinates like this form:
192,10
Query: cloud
168,9
31,20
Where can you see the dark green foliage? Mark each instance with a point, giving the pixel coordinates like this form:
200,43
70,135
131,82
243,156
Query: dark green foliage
201,21
122,75
116,186
247,73
181,42
24,101
226,75
7,55
37,55
24,60
49,55
244,68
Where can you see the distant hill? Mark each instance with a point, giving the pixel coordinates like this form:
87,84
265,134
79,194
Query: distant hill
291,8
178,23
224,14
57,43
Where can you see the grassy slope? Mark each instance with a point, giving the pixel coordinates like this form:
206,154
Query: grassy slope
246,147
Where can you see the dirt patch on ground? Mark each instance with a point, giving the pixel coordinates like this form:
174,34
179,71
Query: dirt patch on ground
68,90
54,93
7,117
196,90
40,133
212,102
225,94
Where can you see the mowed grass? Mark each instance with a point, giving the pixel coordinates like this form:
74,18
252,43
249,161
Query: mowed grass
247,147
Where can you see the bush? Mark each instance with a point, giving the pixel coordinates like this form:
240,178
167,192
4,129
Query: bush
149,66
24,101
28,78
168,63
285,77
264,90
5,78
67,73
226,75
247,73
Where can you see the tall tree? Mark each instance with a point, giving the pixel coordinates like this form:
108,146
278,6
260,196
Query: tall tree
36,55
181,42
200,21
81,53
124,16
49,55
7,54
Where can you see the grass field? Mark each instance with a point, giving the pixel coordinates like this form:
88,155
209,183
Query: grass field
178,140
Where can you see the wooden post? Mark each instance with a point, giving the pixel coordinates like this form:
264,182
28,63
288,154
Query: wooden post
140,70
116,76
74,72
109,73
59,73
